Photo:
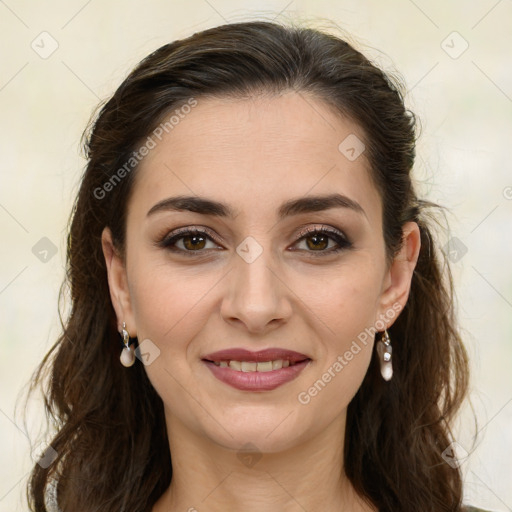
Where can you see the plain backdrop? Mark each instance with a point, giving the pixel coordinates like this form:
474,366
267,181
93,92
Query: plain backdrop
59,59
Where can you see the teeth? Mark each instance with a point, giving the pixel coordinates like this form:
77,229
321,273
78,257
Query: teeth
248,366
276,365
236,365
264,367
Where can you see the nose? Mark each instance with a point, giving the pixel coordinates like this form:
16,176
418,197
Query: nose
256,295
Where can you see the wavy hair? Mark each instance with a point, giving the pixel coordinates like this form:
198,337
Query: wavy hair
111,444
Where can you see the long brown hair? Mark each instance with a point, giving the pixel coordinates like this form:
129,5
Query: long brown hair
111,443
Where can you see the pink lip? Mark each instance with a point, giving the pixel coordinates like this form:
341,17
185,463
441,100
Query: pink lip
256,381
269,354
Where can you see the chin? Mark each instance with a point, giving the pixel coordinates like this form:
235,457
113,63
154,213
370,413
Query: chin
270,433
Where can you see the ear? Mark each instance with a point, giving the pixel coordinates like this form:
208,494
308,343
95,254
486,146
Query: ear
397,281
118,283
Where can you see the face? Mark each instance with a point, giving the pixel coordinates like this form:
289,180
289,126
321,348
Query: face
302,279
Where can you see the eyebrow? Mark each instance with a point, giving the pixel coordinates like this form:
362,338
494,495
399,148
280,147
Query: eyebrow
306,204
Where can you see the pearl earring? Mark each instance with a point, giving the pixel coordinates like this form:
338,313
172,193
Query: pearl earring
127,355
384,350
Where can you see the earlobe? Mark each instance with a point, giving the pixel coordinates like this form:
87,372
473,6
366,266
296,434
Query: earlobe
117,282
399,275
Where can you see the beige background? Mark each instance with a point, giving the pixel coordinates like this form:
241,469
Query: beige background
464,101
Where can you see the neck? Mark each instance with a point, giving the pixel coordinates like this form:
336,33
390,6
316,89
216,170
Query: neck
207,476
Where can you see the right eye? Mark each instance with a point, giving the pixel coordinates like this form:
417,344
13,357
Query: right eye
194,241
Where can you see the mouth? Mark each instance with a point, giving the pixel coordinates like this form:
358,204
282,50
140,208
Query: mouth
256,371
253,366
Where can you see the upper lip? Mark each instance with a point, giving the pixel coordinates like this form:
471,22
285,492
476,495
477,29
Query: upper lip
269,354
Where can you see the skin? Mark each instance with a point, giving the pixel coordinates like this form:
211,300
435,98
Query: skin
241,152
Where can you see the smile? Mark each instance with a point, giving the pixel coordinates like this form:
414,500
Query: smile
264,370
250,366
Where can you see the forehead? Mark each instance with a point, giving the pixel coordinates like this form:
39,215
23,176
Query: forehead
255,153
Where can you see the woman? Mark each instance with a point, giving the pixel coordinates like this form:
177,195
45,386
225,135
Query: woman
260,316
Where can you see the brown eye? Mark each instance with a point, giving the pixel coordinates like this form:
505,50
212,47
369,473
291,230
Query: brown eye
192,241
317,241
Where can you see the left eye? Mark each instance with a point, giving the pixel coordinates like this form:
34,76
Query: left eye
320,240
194,240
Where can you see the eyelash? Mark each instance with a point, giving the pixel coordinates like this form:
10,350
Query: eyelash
169,241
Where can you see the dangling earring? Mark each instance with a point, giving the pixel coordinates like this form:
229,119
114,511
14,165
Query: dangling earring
127,355
384,350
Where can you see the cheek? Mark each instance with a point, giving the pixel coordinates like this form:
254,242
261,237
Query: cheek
165,300
342,311
169,307
343,302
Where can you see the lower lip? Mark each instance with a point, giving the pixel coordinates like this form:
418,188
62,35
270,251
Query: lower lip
256,381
